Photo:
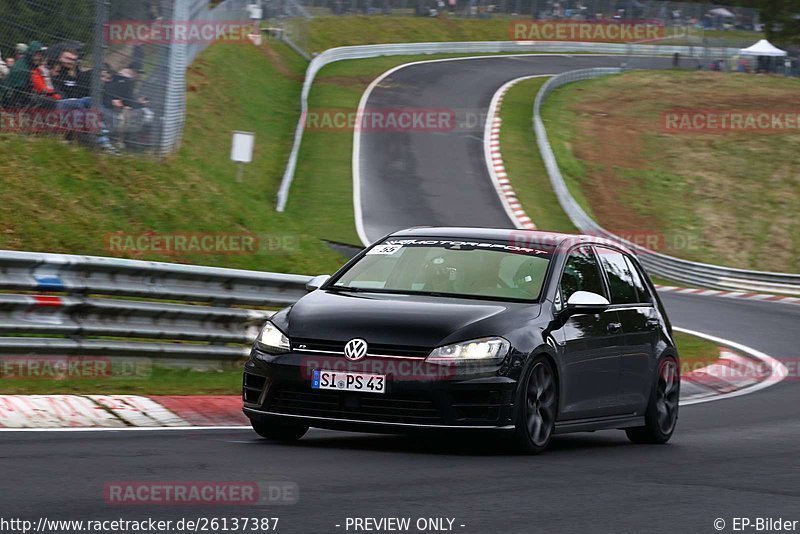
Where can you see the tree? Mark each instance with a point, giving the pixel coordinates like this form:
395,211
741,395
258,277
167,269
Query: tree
781,20
48,21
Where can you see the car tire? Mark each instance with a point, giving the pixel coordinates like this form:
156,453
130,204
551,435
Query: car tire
537,399
278,432
661,416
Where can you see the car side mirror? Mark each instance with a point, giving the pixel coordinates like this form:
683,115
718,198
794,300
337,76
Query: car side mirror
586,302
317,282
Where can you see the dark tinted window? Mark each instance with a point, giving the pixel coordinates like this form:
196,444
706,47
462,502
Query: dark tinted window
620,279
477,268
581,273
641,289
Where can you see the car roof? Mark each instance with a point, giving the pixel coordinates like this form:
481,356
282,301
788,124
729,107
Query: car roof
514,236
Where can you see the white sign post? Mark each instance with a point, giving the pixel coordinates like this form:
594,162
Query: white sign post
256,14
242,150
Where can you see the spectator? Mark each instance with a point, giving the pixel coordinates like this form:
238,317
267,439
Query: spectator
41,80
105,79
742,65
68,81
129,118
19,51
4,68
43,87
18,84
47,96
121,88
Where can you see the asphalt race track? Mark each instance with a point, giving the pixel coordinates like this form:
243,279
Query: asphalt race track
731,458
410,178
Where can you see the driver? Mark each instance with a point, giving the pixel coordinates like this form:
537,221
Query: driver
439,275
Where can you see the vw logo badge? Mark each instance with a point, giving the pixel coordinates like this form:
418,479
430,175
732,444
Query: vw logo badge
355,349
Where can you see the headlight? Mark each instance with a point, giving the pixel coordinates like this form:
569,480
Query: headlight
271,339
490,349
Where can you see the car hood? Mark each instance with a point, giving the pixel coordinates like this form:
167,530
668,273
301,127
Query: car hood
403,320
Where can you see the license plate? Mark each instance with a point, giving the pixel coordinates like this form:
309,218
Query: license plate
343,381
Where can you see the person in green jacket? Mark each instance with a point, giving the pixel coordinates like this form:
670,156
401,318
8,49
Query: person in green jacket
17,87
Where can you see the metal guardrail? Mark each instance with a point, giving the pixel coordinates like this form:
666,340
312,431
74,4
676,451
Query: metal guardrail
478,47
86,305
689,272
117,307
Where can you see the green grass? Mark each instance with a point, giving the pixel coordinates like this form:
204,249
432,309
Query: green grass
329,32
158,381
63,198
728,198
695,352
560,127
721,38
324,32
522,160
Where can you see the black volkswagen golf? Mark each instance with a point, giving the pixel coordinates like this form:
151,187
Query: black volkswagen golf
459,328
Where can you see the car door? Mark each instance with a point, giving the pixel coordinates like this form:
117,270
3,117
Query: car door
634,306
590,343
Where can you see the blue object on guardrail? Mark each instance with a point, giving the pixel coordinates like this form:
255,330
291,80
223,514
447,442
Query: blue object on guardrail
121,307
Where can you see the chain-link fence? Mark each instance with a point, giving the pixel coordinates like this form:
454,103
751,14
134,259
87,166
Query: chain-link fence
107,73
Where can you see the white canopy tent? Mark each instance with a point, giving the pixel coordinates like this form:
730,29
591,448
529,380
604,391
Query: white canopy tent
722,12
763,48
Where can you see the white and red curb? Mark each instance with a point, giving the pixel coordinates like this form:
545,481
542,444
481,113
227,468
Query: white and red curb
494,159
764,297
738,371
120,411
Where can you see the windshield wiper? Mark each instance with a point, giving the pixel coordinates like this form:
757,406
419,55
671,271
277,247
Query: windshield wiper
346,288
356,289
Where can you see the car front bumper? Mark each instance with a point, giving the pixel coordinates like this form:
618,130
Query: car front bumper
417,395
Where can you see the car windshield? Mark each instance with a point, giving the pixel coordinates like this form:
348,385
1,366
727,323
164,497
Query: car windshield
463,268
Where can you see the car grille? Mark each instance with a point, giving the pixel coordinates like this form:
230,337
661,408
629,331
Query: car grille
356,406
252,387
407,351
465,408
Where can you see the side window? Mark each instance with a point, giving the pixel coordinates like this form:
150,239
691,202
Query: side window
641,288
620,279
581,273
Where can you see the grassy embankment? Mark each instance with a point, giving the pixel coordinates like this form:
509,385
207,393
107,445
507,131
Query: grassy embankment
726,197
325,31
